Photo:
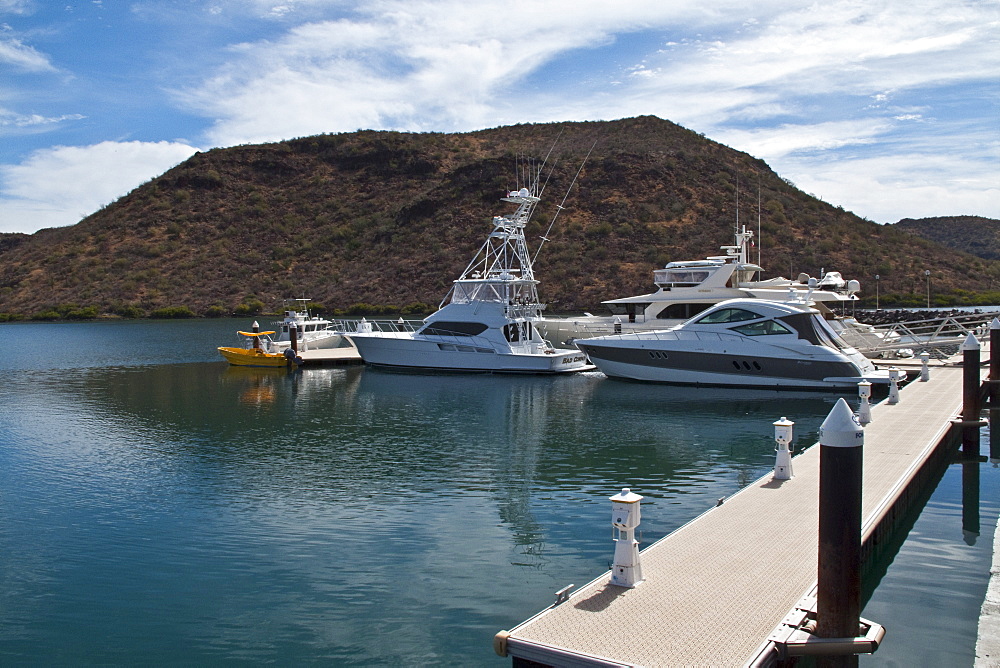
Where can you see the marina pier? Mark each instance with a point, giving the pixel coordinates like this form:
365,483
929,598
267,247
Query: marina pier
733,586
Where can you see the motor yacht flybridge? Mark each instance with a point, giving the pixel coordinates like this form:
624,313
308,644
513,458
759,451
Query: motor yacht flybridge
488,320
687,288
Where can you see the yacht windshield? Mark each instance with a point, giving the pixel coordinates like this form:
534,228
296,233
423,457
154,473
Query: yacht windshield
813,329
443,328
763,328
727,315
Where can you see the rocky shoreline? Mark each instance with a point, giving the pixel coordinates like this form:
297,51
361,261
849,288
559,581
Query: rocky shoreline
888,316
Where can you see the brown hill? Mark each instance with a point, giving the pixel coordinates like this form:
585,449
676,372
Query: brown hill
971,234
392,218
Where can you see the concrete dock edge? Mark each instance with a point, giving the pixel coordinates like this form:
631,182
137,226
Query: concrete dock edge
988,644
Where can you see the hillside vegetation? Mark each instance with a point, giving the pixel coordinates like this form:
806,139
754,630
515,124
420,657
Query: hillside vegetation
971,234
390,218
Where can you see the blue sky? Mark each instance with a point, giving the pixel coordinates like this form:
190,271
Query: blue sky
886,108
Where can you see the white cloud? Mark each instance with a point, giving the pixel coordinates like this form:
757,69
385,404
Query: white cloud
13,123
887,188
61,185
15,53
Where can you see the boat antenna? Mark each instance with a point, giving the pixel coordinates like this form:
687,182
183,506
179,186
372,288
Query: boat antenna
760,243
560,207
545,162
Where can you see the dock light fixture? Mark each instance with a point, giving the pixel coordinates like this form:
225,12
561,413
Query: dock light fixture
865,409
627,571
895,375
783,458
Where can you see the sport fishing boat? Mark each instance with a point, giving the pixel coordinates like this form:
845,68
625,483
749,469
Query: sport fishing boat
255,352
686,288
487,321
739,343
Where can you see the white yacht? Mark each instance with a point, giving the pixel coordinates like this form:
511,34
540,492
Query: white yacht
487,321
687,288
739,343
312,332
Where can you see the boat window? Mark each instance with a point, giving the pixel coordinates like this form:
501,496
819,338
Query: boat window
681,311
628,309
445,328
763,328
680,278
802,324
727,315
515,332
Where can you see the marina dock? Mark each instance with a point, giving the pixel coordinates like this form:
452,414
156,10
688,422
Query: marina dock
330,356
729,587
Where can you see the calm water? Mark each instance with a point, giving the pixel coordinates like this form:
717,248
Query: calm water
160,507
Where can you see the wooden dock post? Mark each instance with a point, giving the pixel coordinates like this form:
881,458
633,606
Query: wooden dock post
838,587
971,405
255,328
994,391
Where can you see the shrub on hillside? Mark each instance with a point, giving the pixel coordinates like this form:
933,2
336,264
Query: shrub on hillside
172,312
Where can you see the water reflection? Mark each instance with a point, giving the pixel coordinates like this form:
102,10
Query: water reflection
344,515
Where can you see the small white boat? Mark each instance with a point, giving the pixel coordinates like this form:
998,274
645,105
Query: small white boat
739,343
488,320
312,332
686,288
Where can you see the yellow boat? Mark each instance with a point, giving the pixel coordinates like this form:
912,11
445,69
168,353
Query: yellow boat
253,354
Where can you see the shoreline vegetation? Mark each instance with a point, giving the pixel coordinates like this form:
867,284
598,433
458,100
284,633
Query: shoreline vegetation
892,308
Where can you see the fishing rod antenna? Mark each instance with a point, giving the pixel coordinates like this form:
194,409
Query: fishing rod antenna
560,207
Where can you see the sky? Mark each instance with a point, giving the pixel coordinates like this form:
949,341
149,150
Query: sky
887,108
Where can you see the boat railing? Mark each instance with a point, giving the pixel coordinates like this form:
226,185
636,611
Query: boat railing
929,334
385,326
678,335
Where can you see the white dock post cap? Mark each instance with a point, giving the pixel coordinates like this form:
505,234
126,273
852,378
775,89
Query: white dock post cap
626,496
841,428
995,323
255,324
970,343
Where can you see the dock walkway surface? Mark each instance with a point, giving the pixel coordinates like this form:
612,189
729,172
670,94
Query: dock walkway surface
716,588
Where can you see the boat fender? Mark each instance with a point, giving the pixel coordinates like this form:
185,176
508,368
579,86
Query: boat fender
289,354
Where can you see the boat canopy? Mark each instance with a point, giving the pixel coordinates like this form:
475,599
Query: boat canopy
255,333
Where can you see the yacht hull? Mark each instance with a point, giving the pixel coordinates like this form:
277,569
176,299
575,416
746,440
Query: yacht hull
722,370
405,351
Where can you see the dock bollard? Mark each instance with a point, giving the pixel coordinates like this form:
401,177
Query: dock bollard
627,571
838,591
970,396
865,409
783,458
895,375
925,371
